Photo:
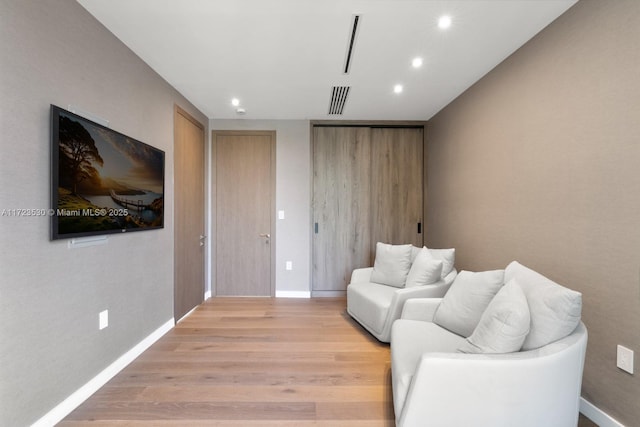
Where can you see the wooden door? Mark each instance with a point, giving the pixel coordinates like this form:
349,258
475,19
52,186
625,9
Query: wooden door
341,200
189,213
245,191
396,186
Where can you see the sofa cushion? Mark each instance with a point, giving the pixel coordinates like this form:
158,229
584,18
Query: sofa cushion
369,303
555,310
391,265
504,324
466,300
448,258
424,270
409,340
415,250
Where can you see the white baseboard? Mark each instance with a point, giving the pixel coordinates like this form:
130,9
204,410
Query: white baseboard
293,294
207,295
187,314
83,393
598,416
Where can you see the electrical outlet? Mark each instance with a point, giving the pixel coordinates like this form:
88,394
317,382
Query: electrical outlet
103,319
625,359
288,265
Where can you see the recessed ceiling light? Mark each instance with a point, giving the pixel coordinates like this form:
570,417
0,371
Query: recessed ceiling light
241,111
444,22
397,89
235,102
416,63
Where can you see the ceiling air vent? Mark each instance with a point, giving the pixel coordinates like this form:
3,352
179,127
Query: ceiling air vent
339,96
352,41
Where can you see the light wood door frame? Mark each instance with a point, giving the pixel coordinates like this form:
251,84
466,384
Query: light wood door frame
214,199
190,295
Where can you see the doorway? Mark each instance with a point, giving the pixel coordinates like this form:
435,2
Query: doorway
189,238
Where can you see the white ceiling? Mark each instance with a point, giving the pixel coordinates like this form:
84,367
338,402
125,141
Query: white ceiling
280,58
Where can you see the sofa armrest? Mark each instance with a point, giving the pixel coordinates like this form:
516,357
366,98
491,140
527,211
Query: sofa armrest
361,275
404,295
449,278
420,309
533,388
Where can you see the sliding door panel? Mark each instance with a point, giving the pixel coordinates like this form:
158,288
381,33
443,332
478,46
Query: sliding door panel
396,180
341,191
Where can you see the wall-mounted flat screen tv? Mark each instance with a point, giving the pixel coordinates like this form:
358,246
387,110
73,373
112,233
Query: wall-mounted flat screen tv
103,182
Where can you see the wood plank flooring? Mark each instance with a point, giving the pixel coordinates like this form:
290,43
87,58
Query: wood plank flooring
252,362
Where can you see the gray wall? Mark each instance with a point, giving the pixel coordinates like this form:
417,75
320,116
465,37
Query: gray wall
54,52
540,162
293,195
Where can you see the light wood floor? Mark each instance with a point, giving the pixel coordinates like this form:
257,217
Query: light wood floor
252,362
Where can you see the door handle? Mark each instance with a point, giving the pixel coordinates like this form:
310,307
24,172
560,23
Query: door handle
265,235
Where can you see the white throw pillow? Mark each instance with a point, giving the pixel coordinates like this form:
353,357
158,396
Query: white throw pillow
555,310
414,252
466,300
392,264
504,325
424,270
448,258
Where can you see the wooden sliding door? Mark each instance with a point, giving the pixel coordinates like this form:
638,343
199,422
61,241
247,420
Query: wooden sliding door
341,203
396,182
367,187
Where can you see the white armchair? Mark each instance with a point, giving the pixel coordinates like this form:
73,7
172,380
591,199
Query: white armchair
376,306
435,385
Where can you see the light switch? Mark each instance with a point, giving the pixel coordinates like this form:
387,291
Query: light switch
624,360
289,265
280,214
103,319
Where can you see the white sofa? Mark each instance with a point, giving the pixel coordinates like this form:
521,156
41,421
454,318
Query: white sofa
436,385
376,306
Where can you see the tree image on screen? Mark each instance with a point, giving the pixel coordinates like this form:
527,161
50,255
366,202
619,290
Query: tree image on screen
77,152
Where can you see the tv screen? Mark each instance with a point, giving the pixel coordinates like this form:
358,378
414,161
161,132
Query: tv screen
103,182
